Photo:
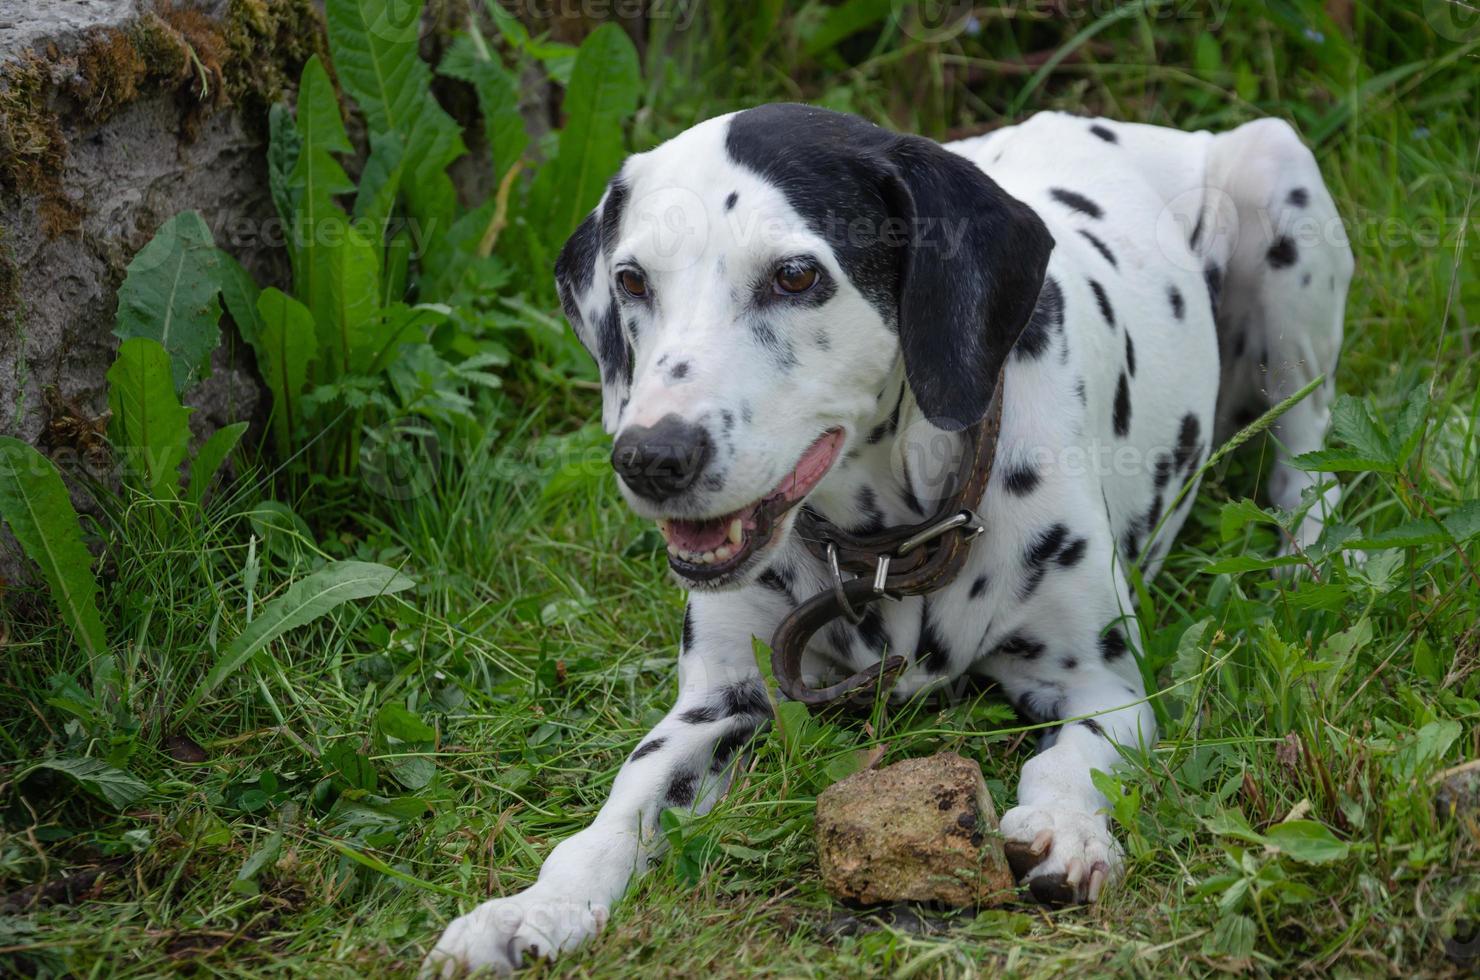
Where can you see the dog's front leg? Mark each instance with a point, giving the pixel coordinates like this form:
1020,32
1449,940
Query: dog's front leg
686,761
1058,836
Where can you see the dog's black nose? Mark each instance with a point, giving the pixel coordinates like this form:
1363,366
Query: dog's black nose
661,460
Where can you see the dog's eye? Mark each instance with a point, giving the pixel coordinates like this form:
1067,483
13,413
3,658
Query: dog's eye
795,277
633,283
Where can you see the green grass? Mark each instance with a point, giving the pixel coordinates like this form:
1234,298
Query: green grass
540,643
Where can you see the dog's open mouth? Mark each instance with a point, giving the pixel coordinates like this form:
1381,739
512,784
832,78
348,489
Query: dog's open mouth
703,550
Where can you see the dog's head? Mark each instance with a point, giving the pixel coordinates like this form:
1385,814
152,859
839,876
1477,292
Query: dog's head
747,288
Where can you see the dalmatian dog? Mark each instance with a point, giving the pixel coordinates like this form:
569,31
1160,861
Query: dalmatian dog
793,308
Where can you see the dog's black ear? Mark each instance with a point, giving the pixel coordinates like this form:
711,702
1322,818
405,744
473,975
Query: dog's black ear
969,279
583,280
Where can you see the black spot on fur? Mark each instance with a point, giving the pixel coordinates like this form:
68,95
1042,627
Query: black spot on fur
1048,316
1044,548
1021,647
1100,247
1093,726
1179,305
1105,134
681,789
1043,703
1104,303
688,628
1069,663
872,631
1076,202
931,651
1187,441
647,748
872,517
1020,480
777,580
1164,470
746,698
889,425
1213,276
1282,254
730,201
1080,391
680,371
1305,280
1112,643
1196,233
1073,554
701,715
978,587
729,743
1130,353
1298,197
1122,418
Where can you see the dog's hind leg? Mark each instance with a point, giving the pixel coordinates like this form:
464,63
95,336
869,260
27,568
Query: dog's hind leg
1278,265
686,761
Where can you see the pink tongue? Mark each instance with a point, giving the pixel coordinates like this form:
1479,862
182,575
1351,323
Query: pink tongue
699,536
812,466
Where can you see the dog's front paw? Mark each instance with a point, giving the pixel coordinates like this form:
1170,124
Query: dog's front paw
1066,856
496,935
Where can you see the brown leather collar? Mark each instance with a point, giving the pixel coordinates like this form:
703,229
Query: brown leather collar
898,561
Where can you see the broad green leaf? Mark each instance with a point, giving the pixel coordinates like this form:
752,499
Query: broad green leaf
285,348
379,183
1464,521
1232,823
352,768
1189,659
354,291
210,457
1341,461
151,429
239,293
1248,563
303,602
1408,427
1307,841
1353,424
1233,935
283,147
245,882
1237,514
398,722
111,785
558,59
35,505
601,98
844,20
1410,534
375,48
470,60
319,225
169,296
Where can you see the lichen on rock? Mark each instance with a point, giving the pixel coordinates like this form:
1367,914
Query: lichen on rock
921,830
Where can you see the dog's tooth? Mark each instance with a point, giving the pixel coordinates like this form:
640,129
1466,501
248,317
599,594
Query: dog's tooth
737,531
723,553
708,558
673,550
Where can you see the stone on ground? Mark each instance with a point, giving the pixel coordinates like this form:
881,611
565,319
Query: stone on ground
921,830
